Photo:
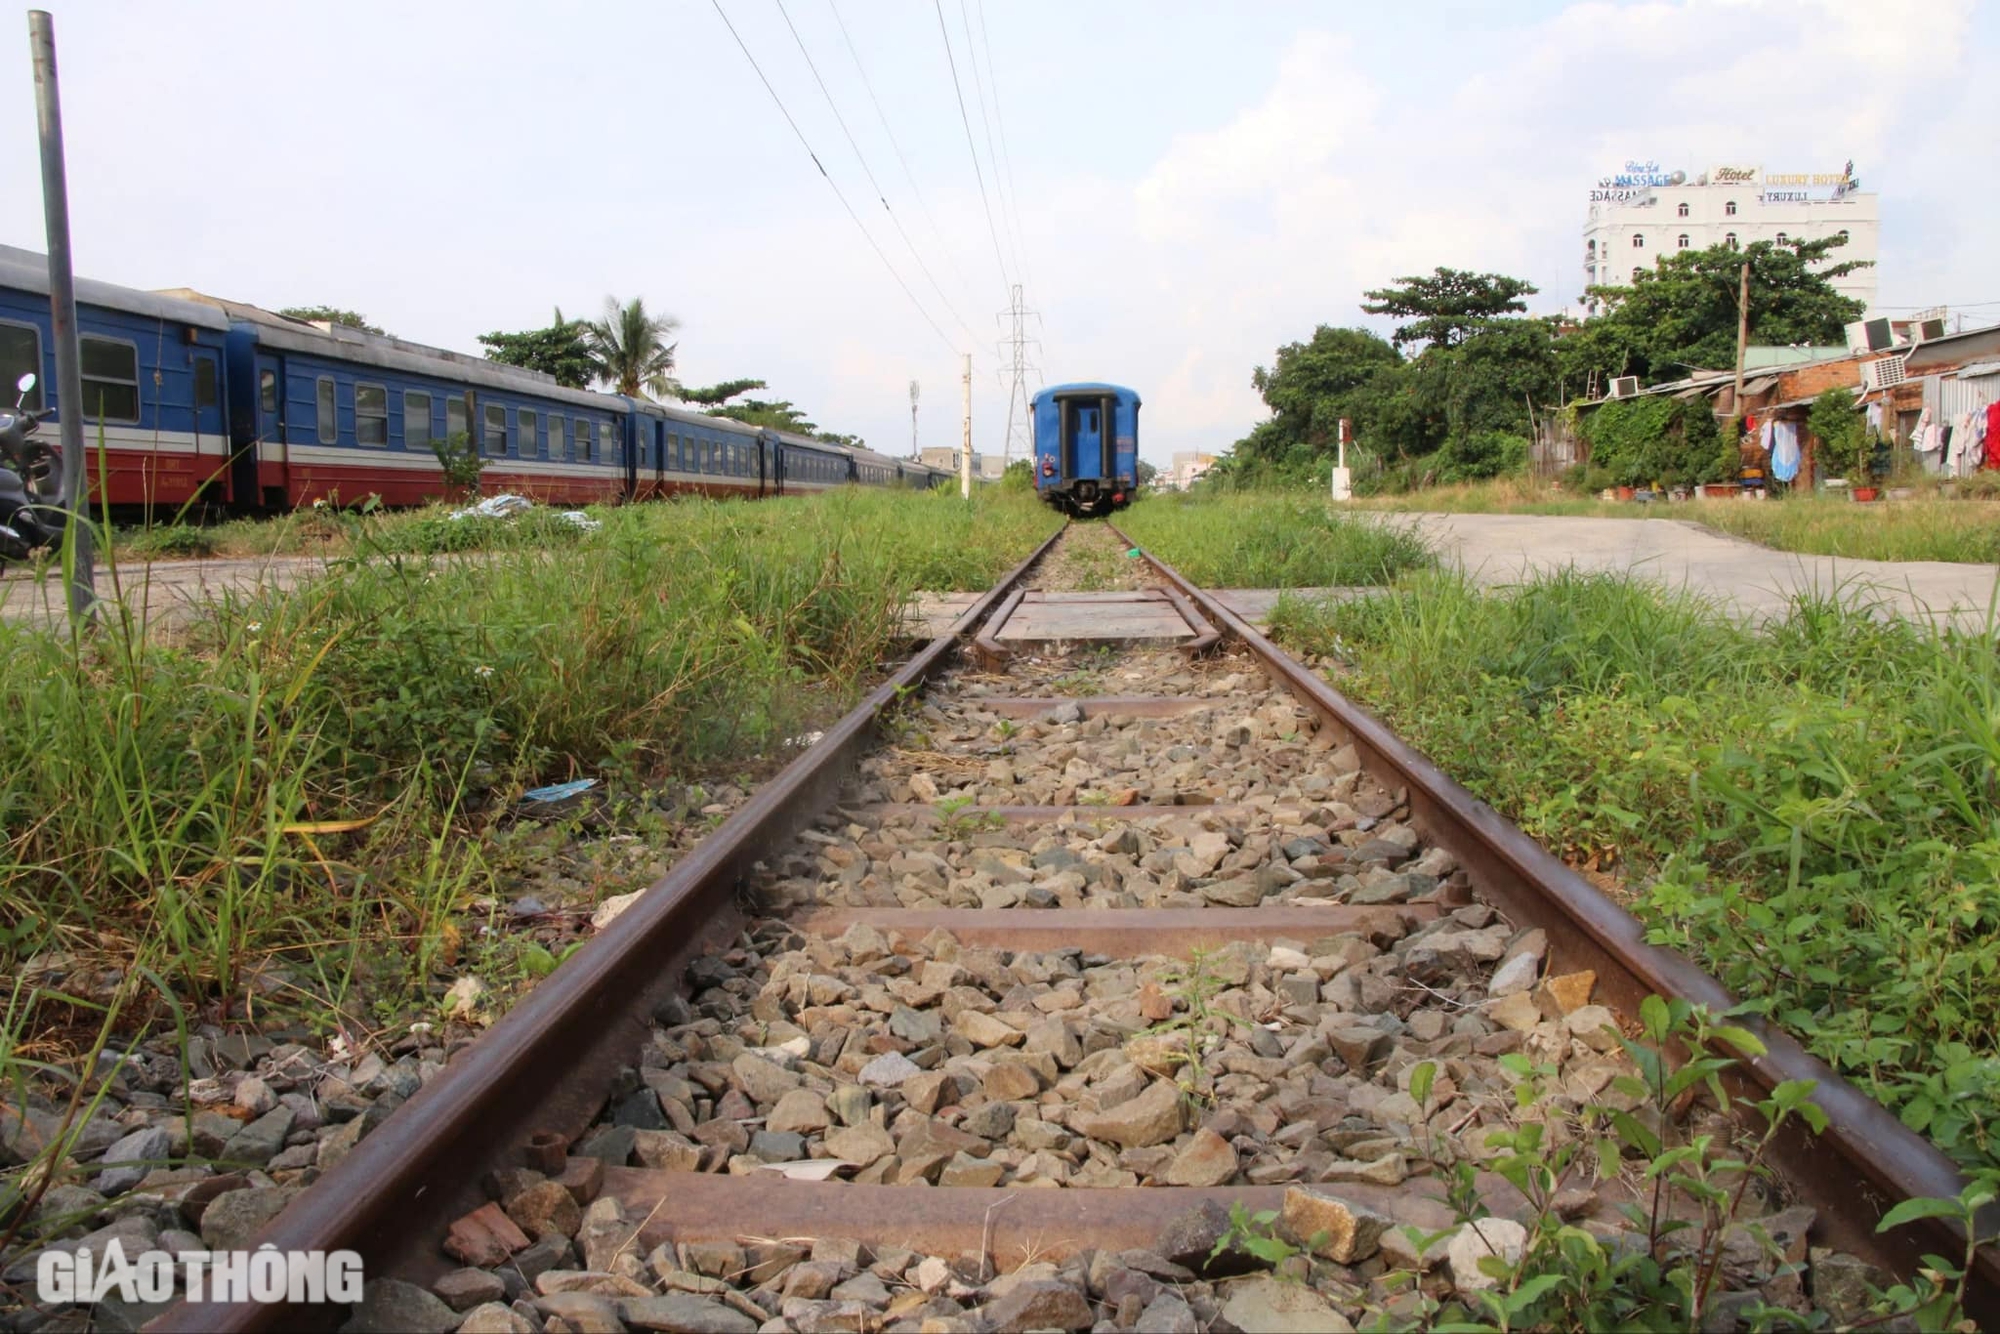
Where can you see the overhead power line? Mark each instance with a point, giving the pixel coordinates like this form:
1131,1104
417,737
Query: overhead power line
937,232
986,124
834,185
869,172
966,121
1012,194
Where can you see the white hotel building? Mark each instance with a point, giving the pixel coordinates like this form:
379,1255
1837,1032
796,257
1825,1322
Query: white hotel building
1644,213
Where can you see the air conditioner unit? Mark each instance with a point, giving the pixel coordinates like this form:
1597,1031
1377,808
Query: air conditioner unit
1926,330
1881,336
1882,373
1857,337
1625,386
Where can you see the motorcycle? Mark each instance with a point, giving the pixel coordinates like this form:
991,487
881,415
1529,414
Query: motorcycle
31,480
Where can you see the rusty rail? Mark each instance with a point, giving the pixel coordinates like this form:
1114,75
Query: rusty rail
1864,1163
547,1064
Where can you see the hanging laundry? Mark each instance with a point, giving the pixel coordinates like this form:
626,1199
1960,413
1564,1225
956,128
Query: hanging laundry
1875,420
1968,452
1764,436
1993,435
1785,451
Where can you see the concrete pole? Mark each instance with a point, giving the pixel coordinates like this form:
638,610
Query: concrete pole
1742,341
62,311
965,443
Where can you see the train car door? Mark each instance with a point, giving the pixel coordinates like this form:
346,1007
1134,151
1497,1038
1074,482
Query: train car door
211,431
1086,441
272,457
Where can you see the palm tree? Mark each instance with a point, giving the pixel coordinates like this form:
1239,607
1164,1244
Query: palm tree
631,350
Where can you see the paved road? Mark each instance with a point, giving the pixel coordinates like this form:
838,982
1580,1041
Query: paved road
1755,581
161,592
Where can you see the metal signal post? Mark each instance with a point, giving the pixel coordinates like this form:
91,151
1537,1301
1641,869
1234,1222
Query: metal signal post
62,312
965,444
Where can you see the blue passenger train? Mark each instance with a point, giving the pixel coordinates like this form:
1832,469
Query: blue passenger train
204,400
1086,447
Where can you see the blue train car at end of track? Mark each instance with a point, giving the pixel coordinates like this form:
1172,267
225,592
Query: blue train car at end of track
1086,447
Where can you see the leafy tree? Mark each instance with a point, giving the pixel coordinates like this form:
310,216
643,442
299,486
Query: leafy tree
561,350
1681,315
1311,386
779,415
1147,474
631,350
330,315
1449,306
717,394
845,441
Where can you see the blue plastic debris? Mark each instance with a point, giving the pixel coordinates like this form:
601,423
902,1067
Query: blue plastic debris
559,791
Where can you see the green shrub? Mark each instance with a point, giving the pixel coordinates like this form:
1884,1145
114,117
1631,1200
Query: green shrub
1656,440
1481,455
173,540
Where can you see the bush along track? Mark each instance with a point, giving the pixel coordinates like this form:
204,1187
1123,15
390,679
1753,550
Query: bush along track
1270,539
290,844
1807,811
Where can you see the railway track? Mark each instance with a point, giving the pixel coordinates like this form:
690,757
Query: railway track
1082,932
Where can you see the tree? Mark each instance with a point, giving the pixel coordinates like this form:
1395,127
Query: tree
561,350
717,394
631,350
779,415
1147,475
1449,306
1681,315
1311,386
330,315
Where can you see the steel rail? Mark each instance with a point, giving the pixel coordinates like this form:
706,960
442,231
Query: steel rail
1864,1163
549,1062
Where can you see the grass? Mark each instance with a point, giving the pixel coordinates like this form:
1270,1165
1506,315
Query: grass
1809,811
1270,539
1926,526
292,804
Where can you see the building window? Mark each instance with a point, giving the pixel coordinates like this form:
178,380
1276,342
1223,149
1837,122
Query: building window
416,421
495,444
558,437
110,380
1683,242
1729,209
1730,240
1636,273
1683,210
582,452
1638,241
1842,233
329,410
1781,238
1590,246
530,443
371,415
21,354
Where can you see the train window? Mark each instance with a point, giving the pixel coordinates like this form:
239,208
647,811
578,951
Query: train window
582,452
531,445
329,411
21,352
371,415
496,431
205,392
558,438
674,451
267,391
457,418
110,380
416,421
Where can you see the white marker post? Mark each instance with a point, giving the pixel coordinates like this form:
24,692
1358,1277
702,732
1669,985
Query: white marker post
1343,488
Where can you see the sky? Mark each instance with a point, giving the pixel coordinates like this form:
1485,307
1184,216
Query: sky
1179,188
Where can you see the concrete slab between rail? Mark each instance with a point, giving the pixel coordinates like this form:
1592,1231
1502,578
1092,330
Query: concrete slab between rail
1123,932
932,614
1094,706
1125,616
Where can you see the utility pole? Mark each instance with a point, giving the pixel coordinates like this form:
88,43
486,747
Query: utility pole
915,452
965,441
62,315
1014,379
1742,342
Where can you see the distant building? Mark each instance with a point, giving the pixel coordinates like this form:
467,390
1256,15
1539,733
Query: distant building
1644,213
1187,470
986,467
